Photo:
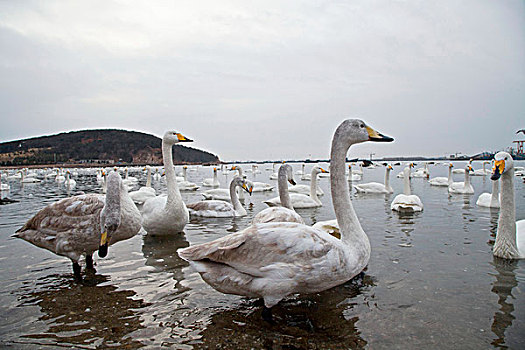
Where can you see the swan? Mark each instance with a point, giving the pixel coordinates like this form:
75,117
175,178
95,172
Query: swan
351,175
29,179
481,172
276,259
305,189
274,175
69,183
59,178
145,192
222,209
375,187
402,173
286,213
80,225
443,181
490,200
164,215
129,180
422,172
185,185
212,182
302,201
301,172
462,187
406,202
510,236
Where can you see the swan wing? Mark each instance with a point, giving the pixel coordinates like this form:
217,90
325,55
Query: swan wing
277,214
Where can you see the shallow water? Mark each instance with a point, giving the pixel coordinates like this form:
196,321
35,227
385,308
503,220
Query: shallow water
431,282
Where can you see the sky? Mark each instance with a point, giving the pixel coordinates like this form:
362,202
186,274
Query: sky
259,80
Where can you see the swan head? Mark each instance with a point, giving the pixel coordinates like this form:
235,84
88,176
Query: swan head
247,186
389,167
110,214
468,168
353,131
450,165
172,137
317,170
502,163
286,170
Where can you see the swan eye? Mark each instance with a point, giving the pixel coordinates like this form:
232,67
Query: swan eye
362,126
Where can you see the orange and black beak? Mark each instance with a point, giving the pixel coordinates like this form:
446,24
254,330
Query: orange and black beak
499,167
376,136
183,138
104,243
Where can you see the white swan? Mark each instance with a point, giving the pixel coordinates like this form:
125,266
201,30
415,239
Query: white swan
212,182
462,187
402,173
145,192
406,202
481,172
302,201
69,183
490,200
164,215
422,172
273,260
510,237
286,213
307,189
129,181
29,179
351,175
80,225
185,185
222,209
375,187
442,181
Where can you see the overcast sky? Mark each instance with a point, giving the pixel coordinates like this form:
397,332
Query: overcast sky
268,79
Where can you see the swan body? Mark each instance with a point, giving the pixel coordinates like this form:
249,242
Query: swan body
276,259
442,181
69,183
285,213
129,181
490,200
73,226
211,182
406,202
422,172
510,236
29,179
222,194
462,187
165,215
218,208
185,185
305,189
375,187
329,226
481,172
302,201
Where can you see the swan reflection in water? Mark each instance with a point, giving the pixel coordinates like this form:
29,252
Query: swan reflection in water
84,315
322,320
502,287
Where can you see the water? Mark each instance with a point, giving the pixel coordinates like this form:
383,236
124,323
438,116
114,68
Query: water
432,281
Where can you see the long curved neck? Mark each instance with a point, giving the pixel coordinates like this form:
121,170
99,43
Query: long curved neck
284,195
239,209
349,173
215,180
449,175
350,228
313,186
406,184
185,173
495,190
171,179
148,178
505,245
467,177
387,178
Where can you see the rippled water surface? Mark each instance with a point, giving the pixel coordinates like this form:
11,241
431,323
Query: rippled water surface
432,281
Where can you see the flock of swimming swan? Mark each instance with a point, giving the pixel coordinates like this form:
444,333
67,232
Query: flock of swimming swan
278,254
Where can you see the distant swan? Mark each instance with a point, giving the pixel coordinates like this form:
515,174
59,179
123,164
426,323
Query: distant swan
462,187
406,202
145,192
273,260
375,187
510,237
164,215
80,225
352,176
481,172
185,185
221,209
286,213
302,201
307,189
442,181
212,182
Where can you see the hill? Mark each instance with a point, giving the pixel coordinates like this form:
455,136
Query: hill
103,146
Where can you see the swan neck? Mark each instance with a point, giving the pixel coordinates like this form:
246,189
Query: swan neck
387,178
284,195
505,245
148,178
495,190
234,198
406,184
313,186
351,231
171,179
467,177
449,175
184,173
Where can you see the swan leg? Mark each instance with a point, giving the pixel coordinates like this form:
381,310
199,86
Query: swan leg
89,262
76,271
267,314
